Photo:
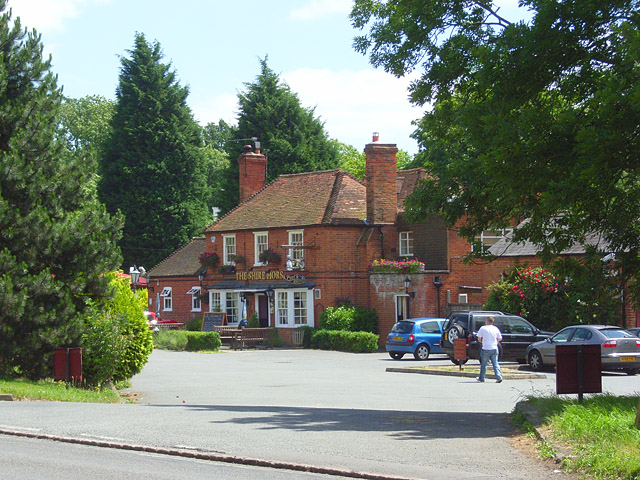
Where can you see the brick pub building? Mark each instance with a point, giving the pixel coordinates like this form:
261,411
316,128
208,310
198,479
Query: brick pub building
327,228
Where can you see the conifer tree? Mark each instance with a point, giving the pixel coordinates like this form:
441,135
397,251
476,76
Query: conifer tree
153,166
293,139
56,240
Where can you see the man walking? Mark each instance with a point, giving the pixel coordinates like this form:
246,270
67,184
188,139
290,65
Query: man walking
489,335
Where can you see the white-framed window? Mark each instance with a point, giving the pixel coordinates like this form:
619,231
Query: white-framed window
295,256
215,304
294,307
196,301
406,244
228,249
225,301
489,237
300,308
260,244
231,307
282,308
167,299
463,298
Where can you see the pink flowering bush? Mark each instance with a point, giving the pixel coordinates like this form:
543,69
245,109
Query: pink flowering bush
578,291
393,266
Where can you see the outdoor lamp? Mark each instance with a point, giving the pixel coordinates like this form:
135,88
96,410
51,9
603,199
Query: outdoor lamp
135,275
407,284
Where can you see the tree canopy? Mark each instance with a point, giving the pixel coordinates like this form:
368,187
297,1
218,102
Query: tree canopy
153,169
535,119
293,139
56,240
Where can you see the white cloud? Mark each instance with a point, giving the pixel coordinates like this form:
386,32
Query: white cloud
47,15
355,104
316,9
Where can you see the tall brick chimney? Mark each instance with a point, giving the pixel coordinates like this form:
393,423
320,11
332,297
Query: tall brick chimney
380,180
253,171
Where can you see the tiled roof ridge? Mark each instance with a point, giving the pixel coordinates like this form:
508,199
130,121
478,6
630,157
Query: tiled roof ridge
333,196
175,252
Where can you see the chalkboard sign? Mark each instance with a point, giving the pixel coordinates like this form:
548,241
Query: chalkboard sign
213,319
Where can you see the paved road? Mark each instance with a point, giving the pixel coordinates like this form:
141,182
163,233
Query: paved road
329,409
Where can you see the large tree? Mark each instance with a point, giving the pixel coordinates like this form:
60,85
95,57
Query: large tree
153,166
532,119
56,240
292,137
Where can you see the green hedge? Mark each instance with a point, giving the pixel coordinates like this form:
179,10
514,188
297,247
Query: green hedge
341,340
350,318
183,340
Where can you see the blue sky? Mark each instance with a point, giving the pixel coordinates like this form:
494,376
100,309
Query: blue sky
214,45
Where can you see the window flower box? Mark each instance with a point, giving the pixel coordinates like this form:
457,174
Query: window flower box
238,259
209,259
227,269
269,256
393,266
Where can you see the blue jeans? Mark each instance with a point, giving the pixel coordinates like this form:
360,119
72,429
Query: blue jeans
485,356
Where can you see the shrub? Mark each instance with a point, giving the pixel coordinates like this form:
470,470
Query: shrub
349,318
194,325
190,341
254,321
197,341
116,333
103,347
358,342
308,332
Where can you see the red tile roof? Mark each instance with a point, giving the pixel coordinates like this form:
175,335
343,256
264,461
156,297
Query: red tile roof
331,197
182,262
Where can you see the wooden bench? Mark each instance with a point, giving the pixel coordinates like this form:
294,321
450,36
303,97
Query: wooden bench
227,333
253,336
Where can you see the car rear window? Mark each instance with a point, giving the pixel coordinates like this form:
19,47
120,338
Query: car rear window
615,333
402,327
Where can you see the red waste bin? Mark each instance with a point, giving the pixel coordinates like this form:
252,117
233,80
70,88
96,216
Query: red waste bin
67,364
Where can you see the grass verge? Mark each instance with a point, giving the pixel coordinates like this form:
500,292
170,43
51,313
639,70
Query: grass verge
49,389
600,433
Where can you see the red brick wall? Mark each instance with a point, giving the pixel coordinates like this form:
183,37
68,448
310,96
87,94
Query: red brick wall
181,311
253,169
380,179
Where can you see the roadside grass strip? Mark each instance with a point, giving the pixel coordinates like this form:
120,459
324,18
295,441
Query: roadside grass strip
598,435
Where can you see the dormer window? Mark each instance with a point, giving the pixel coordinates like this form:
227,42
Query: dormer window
229,249
406,244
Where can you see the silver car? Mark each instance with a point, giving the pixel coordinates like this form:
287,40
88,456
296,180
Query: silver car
620,349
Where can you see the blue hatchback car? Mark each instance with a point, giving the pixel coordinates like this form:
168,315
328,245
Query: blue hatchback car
419,336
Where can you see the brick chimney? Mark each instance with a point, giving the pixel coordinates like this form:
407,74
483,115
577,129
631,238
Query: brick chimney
380,180
253,171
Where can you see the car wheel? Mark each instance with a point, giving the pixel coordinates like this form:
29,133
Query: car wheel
630,371
421,352
396,355
457,362
535,361
454,332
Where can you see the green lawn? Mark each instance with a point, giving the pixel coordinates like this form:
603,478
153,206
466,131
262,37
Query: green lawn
600,432
56,391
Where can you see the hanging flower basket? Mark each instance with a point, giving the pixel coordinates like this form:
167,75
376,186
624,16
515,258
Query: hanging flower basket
209,259
269,256
392,266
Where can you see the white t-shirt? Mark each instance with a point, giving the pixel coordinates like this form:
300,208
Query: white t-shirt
490,335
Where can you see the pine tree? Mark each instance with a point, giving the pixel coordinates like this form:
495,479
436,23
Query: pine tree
291,136
56,240
153,167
